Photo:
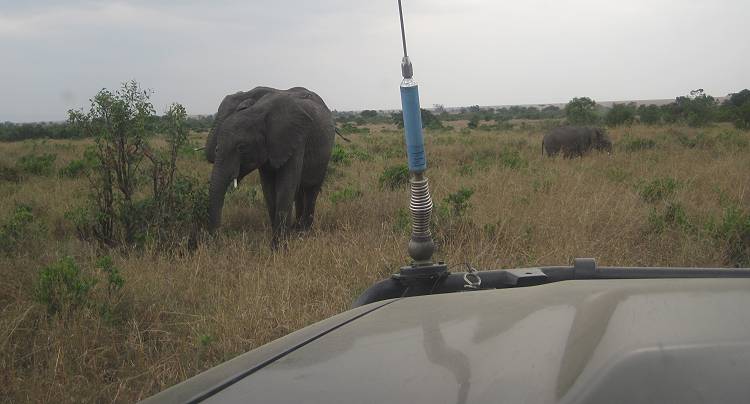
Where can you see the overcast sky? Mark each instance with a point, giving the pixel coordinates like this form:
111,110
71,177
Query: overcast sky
56,55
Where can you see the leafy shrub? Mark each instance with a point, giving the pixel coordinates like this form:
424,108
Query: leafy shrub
113,279
734,233
346,194
65,286
512,159
348,128
700,140
19,229
340,156
458,202
649,114
659,189
359,154
620,114
9,174
129,201
732,139
37,165
74,169
62,286
672,214
402,221
631,144
394,177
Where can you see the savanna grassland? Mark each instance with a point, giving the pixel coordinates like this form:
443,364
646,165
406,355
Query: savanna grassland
667,196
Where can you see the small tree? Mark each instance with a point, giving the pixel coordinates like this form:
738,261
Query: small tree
696,109
121,211
737,108
581,111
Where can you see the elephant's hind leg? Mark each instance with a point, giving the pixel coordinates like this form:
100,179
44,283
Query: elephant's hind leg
310,197
287,181
299,208
267,182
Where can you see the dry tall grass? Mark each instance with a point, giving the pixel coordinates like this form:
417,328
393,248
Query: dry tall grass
183,312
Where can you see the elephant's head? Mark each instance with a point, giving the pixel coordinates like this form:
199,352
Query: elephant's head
228,106
267,131
601,140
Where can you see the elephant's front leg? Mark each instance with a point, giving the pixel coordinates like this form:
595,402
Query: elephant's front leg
286,183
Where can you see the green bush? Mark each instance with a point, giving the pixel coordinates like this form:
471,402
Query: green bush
19,229
62,286
512,159
620,114
402,221
458,202
37,165
734,233
701,140
732,140
659,189
344,195
649,114
74,169
672,214
340,156
136,193
631,144
114,278
394,177
9,174
349,128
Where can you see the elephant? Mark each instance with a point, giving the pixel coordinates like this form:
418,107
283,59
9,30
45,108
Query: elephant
575,141
230,103
287,135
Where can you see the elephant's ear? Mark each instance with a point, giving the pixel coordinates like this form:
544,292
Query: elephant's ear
245,104
287,125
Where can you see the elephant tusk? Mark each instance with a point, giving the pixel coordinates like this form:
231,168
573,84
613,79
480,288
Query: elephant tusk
234,183
199,148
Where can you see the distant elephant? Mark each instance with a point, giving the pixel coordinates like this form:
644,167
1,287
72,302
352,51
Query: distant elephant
575,141
287,135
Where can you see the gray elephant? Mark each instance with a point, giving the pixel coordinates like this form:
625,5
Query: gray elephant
287,135
575,141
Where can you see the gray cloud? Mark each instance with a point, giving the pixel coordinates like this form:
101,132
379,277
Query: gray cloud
470,52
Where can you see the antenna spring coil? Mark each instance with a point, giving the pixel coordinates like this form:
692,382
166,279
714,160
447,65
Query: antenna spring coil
421,209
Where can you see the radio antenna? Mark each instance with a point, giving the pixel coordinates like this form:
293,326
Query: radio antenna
421,245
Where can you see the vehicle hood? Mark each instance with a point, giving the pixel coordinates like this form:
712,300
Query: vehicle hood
663,340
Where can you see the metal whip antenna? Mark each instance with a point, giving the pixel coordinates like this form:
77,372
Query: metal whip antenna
421,245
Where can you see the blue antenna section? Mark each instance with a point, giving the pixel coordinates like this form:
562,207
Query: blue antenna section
413,126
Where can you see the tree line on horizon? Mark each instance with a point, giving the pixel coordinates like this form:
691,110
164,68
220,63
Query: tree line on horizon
695,109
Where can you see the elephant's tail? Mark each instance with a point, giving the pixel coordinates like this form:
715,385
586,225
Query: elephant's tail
340,135
542,147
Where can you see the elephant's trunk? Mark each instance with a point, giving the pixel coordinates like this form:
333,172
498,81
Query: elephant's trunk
221,176
210,150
